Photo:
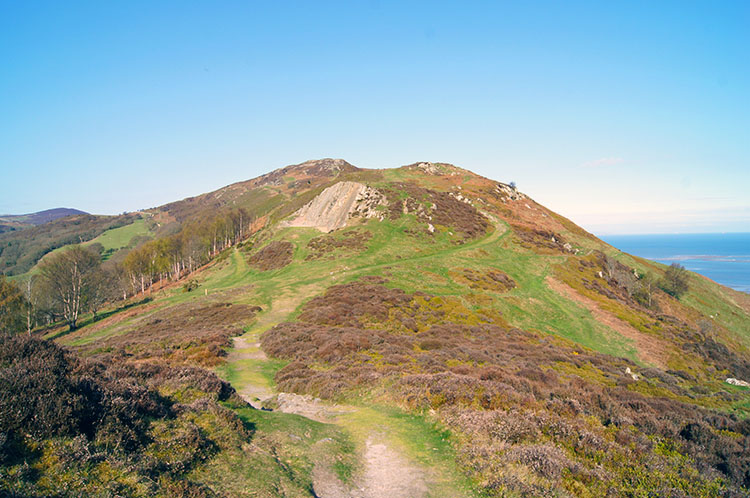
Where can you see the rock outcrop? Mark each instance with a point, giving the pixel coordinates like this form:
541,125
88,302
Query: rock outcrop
334,206
737,382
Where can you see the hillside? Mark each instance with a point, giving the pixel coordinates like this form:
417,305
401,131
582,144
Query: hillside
418,331
20,250
10,222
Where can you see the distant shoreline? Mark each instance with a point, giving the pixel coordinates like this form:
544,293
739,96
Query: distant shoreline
722,257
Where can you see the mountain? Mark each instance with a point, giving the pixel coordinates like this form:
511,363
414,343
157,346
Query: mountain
417,331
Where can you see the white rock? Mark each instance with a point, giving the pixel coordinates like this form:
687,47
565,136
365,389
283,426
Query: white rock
332,208
630,372
737,382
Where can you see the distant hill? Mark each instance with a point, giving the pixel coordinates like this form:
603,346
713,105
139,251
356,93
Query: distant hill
10,222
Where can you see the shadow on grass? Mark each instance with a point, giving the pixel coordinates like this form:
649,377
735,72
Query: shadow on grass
91,319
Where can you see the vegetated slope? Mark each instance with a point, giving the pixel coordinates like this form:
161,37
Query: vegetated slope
261,194
274,192
20,250
537,359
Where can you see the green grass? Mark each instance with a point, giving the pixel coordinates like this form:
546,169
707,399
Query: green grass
117,238
241,373
404,259
280,460
111,240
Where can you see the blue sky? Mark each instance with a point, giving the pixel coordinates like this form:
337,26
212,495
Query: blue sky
627,117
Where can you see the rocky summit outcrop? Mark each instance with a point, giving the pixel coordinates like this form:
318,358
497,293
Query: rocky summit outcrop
333,207
317,168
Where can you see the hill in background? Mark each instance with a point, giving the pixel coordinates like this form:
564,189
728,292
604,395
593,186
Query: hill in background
40,217
10,222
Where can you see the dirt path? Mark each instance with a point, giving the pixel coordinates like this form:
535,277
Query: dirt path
387,474
649,348
385,471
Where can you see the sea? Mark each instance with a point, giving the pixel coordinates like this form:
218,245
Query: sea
722,257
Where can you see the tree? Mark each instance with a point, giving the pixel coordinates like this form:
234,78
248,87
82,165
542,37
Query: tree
675,280
103,287
28,287
13,306
67,278
644,292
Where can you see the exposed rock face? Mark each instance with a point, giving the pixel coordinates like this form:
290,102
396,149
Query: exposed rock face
366,205
333,207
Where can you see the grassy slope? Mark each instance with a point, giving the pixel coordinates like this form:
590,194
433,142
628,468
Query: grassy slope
111,240
412,262
117,238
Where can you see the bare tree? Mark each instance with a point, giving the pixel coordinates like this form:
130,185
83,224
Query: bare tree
68,278
28,290
103,288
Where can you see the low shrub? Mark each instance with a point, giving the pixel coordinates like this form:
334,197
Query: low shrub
273,256
73,427
190,285
572,418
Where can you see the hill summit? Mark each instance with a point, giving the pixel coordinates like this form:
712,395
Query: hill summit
406,332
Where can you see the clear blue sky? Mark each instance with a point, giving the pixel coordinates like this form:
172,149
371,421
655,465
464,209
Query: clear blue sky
624,116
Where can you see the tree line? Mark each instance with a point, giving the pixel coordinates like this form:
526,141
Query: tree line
75,280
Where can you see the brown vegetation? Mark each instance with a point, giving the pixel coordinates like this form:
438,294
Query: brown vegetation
535,415
104,422
196,333
273,256
540,239
437,208
491,280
